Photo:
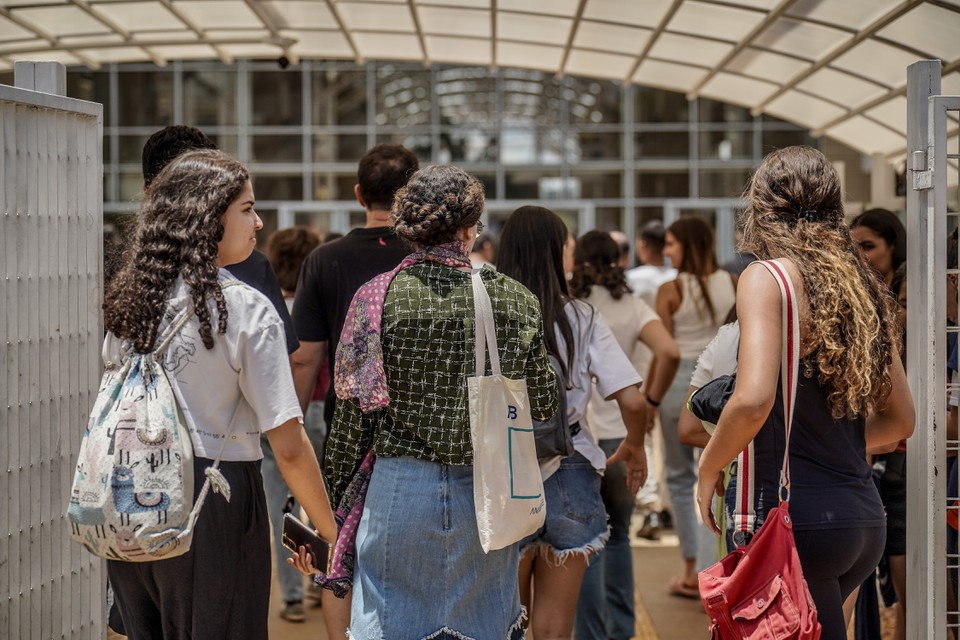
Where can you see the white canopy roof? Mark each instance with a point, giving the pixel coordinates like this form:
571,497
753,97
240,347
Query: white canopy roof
835,66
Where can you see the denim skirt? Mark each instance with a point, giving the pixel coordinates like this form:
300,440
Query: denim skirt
420,570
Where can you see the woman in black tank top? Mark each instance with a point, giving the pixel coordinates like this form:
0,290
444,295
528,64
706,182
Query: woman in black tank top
852,392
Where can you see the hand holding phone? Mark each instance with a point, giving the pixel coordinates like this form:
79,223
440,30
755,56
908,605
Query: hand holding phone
296,535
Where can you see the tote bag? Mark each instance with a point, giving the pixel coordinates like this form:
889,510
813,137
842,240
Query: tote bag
758,591
507,486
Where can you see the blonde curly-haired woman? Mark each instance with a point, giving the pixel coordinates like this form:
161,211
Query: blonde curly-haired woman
852,394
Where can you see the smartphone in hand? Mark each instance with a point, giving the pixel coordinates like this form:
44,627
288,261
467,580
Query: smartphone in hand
296,535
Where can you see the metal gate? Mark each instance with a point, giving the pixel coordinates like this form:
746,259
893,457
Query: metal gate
932,505
51,227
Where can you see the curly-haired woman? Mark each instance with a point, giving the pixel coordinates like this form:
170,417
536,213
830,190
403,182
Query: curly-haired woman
228,366
605,608
405,354
853,393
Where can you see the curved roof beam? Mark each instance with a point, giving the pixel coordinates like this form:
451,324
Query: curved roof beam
169,6
652,40
335,12
415,15
847,45
562,68
772,16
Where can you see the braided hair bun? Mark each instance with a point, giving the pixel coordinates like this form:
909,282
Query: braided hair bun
436,202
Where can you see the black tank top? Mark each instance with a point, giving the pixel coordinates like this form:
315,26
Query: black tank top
831,483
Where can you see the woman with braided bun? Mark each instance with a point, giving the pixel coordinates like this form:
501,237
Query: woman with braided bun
852,392
405,354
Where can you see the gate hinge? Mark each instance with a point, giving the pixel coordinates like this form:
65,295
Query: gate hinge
922,174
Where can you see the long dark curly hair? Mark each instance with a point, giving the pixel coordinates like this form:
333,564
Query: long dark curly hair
438,201
178,228
596,262
796,212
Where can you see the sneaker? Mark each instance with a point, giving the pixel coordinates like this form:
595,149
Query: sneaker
313,595
293,612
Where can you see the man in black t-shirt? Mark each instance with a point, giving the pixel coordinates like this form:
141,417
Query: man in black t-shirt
329,278
332,274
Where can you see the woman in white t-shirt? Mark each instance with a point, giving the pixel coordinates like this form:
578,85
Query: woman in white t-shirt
692,308
229,370
605,608
555,558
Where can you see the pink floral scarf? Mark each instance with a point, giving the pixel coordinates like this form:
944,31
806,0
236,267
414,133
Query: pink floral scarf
358,372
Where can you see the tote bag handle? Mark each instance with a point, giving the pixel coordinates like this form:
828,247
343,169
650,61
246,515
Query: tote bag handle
484,328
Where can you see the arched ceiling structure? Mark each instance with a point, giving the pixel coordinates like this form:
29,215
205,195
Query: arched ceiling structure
835,66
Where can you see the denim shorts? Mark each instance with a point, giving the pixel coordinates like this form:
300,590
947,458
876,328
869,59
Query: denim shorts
576,520
421,572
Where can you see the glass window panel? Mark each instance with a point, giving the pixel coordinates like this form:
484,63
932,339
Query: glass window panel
663,184
531,97
656,105
131,149
93,86
277,187
774,139
532,146
226,143
662,144
645,215
276,98
328,147
723,183
276,148
594,145
403,96
131,186
210,98
339,97
526,185
594,101
726,145
146,99
489,182
609,218
714,111
419,143
598,185
466,95
334,186
467,145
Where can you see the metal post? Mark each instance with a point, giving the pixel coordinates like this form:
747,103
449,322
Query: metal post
926,327
46,77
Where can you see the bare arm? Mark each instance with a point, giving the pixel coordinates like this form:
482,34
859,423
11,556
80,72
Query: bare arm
306,362
300,470
896,419
757,377
690,428
633,410
666,359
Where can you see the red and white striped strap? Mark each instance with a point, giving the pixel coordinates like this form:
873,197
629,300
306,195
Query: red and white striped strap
745,516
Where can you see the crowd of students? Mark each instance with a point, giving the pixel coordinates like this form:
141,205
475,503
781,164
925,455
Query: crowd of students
395,296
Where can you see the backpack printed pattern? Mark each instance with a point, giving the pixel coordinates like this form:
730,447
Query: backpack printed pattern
132,495
133,489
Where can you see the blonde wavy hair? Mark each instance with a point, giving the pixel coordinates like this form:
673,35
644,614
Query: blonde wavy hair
795,211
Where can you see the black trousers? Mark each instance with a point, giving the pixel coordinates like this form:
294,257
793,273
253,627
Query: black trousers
835,562
218,589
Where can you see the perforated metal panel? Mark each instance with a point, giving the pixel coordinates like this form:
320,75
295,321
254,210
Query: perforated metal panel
51,254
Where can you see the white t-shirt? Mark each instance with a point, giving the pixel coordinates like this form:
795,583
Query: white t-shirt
720,356
245,378
597,356
646,279
626,318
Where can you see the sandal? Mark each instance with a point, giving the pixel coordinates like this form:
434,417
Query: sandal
681,589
